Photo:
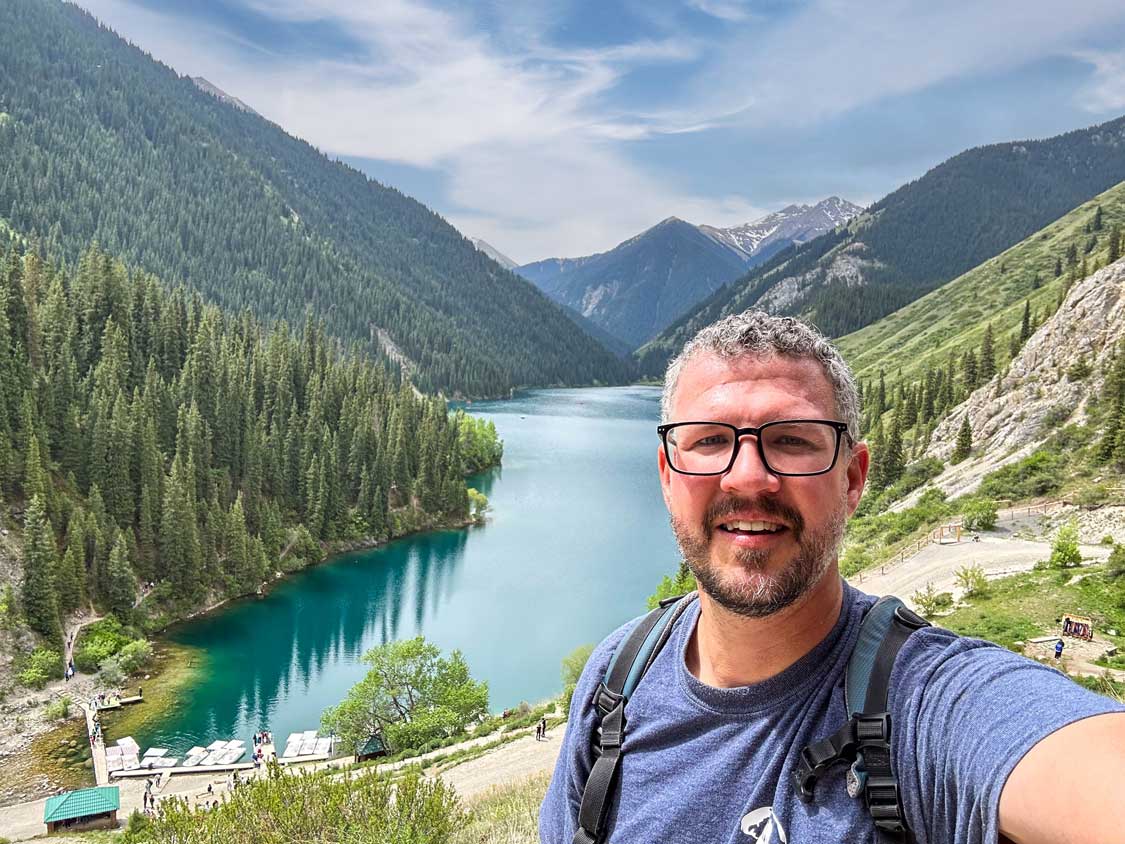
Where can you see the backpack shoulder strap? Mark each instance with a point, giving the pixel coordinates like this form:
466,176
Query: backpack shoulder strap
865,739
633,657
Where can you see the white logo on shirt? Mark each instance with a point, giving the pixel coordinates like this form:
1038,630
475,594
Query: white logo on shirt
760,825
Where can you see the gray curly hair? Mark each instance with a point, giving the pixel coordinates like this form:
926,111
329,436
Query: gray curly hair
761,334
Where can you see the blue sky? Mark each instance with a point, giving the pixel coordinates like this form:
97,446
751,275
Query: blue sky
563,128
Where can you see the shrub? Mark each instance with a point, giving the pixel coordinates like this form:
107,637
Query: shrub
979,514
972,581
40,666
306,807
1115,565
1092,495
111,673
574,662
854,560
58,710
1108,539
98,642
1064,550
134,656
1037,474
929,601
136,828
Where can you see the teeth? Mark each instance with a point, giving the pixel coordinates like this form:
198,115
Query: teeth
767,526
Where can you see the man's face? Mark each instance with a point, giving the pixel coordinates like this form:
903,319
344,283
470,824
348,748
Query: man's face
756,573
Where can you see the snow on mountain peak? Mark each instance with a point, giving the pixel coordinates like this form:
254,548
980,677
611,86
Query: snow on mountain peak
793,224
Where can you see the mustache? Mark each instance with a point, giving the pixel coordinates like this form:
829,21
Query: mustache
729,506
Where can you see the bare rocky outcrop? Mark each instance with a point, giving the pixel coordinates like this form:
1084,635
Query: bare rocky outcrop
1013,414
847,268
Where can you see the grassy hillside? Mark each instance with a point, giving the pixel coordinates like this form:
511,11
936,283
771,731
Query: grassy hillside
952,319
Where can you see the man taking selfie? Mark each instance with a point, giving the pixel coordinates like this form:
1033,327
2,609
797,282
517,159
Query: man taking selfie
724,717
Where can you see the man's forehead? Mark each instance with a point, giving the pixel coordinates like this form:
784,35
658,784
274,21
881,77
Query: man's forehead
707,378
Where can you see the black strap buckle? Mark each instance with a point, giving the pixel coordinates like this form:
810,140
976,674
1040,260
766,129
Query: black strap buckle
605,700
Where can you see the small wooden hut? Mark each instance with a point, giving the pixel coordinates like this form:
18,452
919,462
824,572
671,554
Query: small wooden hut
89,808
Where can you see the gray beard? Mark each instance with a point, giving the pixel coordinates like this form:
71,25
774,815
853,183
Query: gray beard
762,594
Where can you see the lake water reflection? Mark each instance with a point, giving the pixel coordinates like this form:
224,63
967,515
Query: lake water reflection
577,538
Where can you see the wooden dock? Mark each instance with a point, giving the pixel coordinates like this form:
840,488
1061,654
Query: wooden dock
181,769
97,746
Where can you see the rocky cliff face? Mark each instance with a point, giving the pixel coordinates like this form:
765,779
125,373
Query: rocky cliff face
1014,413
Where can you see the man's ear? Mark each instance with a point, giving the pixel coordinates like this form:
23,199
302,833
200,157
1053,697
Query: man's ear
665,475
858,463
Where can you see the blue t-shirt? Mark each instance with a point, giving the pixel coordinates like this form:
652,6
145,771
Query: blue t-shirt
702,764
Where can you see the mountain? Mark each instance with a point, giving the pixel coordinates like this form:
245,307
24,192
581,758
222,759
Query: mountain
637,288
494,253
763,238
641,285
216,91
959,214
100,143
951,320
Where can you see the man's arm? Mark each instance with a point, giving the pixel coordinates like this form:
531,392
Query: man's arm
1070,787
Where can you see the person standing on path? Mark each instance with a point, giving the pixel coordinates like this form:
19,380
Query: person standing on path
1058,649
761,463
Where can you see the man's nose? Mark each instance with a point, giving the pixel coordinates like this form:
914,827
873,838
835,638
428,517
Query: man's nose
748,473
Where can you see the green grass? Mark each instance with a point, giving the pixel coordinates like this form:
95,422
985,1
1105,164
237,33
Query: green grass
1024,606
506,814
953,317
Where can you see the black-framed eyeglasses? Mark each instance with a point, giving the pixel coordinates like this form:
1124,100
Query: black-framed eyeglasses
789,447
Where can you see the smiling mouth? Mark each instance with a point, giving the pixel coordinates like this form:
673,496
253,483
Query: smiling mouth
751,528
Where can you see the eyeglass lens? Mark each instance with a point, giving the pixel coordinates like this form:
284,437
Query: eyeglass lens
797,448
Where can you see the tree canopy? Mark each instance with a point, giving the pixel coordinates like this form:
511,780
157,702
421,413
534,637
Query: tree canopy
410,696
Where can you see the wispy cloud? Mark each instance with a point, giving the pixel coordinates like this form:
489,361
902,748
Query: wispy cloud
514,130
727,10
1105,90
836,55
540,147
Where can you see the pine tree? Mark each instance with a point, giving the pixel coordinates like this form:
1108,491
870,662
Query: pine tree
39,602
71,580
1114,243
1025,323
987,356
121,585
964,441
893,460
969,374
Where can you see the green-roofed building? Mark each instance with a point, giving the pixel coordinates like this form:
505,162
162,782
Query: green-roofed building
370,749
90,808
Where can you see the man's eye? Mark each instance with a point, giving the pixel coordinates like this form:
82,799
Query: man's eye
715,440
793,443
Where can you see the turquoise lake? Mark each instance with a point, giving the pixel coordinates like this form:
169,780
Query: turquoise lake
576,539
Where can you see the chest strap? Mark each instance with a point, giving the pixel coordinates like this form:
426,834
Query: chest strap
864,741
631,660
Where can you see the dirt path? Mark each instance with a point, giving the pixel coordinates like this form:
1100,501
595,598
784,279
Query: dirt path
998,553
513,761
73,628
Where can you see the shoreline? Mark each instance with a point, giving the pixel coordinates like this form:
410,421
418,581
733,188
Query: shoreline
337,548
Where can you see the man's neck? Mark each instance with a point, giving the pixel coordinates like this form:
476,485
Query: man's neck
729,650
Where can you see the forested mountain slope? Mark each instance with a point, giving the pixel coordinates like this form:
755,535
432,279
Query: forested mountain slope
145,436
927,232
1014,341
99,142
951,320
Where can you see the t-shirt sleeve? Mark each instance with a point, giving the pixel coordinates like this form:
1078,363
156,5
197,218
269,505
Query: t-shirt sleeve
559,813
964,712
